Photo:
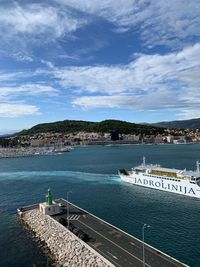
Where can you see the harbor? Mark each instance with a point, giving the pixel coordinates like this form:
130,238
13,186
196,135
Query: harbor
107,244
95,187
32,151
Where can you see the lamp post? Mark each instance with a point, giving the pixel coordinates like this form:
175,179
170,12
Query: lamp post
143,254
68,208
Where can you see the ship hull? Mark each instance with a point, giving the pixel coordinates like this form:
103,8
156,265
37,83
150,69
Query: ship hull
181,187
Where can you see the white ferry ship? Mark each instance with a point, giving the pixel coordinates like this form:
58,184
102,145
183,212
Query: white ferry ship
181,182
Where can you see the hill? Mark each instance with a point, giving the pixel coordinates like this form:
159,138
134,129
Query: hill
72,126
183,124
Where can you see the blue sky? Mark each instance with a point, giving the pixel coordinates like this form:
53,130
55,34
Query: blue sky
92,60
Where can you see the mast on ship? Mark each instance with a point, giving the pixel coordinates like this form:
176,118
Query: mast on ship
198,164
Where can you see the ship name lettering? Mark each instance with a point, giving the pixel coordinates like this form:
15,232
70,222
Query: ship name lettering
185,190
191,190
174,187
151,183
163,186
157,184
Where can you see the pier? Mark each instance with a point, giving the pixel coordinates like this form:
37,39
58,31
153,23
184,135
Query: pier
117,246
113,247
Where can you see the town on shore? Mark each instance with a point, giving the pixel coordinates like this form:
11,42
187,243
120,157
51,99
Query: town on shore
51,143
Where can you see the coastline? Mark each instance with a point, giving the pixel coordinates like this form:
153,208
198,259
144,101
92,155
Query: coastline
46,152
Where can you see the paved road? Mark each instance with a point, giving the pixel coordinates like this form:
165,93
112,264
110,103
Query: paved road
118,247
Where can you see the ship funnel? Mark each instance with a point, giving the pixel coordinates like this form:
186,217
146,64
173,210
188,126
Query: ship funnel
198,164
144,161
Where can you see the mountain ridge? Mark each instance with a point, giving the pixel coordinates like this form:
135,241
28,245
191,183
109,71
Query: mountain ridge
181,124
70,126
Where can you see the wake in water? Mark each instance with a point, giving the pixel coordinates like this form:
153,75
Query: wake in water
69,175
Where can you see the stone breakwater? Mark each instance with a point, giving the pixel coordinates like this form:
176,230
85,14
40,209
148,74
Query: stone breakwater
65,248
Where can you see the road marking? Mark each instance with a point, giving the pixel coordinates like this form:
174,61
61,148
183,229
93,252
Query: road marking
113,243
112,232
154,251
112,255
159,254
118,235
102,253
148,247
133,244
73,217
97,244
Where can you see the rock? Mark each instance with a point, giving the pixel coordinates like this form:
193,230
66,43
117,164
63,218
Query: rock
65,247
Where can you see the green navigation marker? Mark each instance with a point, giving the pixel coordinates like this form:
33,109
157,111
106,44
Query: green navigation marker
49,198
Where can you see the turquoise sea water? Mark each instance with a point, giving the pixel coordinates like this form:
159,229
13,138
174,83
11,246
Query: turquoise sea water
90,173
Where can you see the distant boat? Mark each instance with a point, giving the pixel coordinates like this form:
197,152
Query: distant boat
63,149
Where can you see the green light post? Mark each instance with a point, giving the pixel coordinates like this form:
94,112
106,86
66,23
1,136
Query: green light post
49,197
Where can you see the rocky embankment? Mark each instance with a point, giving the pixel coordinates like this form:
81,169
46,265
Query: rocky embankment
66,248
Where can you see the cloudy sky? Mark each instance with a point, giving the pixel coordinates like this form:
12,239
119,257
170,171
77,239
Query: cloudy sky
134,60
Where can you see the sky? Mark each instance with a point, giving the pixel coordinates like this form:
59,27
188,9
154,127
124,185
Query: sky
132,60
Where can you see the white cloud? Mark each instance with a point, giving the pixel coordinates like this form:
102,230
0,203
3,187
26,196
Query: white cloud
35,21
147,72
158,22
189,113
49,64
150,82
27,25
8,110
10,76
11,92
97,79
149,101
20,56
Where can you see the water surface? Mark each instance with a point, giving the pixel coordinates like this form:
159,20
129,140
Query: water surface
91,174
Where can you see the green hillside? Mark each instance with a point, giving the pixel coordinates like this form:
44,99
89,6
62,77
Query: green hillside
183,124
72,126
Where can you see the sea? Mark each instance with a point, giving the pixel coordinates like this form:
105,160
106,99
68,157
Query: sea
91,174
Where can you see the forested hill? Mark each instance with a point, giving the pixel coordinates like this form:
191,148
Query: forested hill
72,126
183,124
